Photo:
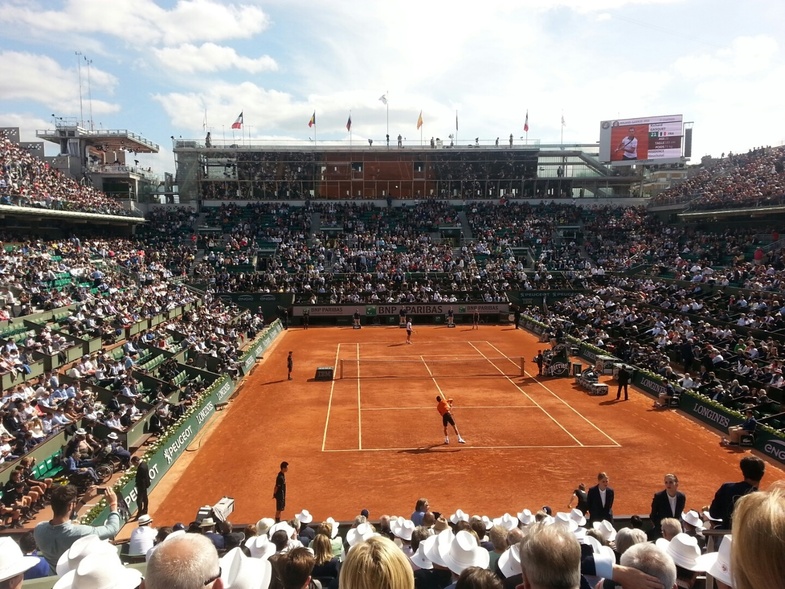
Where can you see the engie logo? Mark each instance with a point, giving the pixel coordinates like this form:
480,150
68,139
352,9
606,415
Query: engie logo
775,448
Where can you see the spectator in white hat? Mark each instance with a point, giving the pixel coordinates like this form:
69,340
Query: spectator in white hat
188,561
305,533
143,537
13,564
241,572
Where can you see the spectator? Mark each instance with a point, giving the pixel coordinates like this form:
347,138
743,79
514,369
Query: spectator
376,563
759,541
189,561
55,536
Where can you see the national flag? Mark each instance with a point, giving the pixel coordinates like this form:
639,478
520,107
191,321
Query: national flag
526,122
312,122
419,121
383,98
238,124
349,124
563,124
456,120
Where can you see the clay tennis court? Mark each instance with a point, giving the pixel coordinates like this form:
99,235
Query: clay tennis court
373,439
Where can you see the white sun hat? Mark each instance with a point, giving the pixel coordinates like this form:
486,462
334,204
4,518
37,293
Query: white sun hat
260,547
507,521
83,547
100,571
243,572
419,559
362,532
684,551
606,530
717,564
510,561
304,517
13,562
432,544
459,516
578,516
464,552
333,526
526,517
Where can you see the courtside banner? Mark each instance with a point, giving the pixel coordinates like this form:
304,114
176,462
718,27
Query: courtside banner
770,444
413,309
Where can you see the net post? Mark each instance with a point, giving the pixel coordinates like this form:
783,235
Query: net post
340,369
523,366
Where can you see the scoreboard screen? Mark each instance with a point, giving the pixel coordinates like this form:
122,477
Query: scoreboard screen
655,140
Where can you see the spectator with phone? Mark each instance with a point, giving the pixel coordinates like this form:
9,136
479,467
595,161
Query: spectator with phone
55,537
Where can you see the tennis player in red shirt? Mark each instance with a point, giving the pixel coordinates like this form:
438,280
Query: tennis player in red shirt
444,407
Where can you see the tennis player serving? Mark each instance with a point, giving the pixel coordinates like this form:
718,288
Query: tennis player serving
444,407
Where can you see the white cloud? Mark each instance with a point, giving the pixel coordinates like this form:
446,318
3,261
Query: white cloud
209,57
140,23
744,57
39,78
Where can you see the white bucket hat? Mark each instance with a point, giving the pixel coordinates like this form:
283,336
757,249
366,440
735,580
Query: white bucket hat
362,532
507,521
526,517
606,530
419,559
693,518
717,564
100,571
432,544
260,547
12,561
510,562
304,517
464,552
403,529
487,521
578,516
334,527
565,520
459,516
684,551
281,526
83,547
241,572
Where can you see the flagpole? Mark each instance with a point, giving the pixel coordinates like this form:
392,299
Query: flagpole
456,127
562,130
387,104
350,131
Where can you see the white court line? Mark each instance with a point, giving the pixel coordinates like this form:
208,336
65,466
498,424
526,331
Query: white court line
470,447
563,401
463,407
330,402
359,405
438,388
527,395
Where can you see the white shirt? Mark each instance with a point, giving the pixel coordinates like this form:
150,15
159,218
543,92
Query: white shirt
142,540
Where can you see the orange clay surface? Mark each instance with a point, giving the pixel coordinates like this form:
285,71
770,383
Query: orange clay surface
378,443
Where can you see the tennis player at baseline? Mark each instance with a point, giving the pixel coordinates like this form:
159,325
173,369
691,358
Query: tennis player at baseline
444,407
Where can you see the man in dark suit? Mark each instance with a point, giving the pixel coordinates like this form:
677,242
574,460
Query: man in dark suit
600,500
142,484
666,503
624,381
753,469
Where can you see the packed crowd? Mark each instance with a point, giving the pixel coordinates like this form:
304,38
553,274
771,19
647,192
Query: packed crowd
27,181
542,549
754,179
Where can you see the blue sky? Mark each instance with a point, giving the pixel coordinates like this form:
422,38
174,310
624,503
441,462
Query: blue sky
158,65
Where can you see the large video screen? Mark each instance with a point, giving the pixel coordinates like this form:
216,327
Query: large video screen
655,140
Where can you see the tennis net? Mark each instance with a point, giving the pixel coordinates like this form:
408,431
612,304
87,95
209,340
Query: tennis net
423,368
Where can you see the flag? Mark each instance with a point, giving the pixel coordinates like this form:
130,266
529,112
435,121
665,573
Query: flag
526,122
456,120
419,121
349,124
383,98
312,122
563,124
238,124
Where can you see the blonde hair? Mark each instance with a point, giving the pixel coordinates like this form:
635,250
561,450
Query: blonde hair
759,540
376,563
322,548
